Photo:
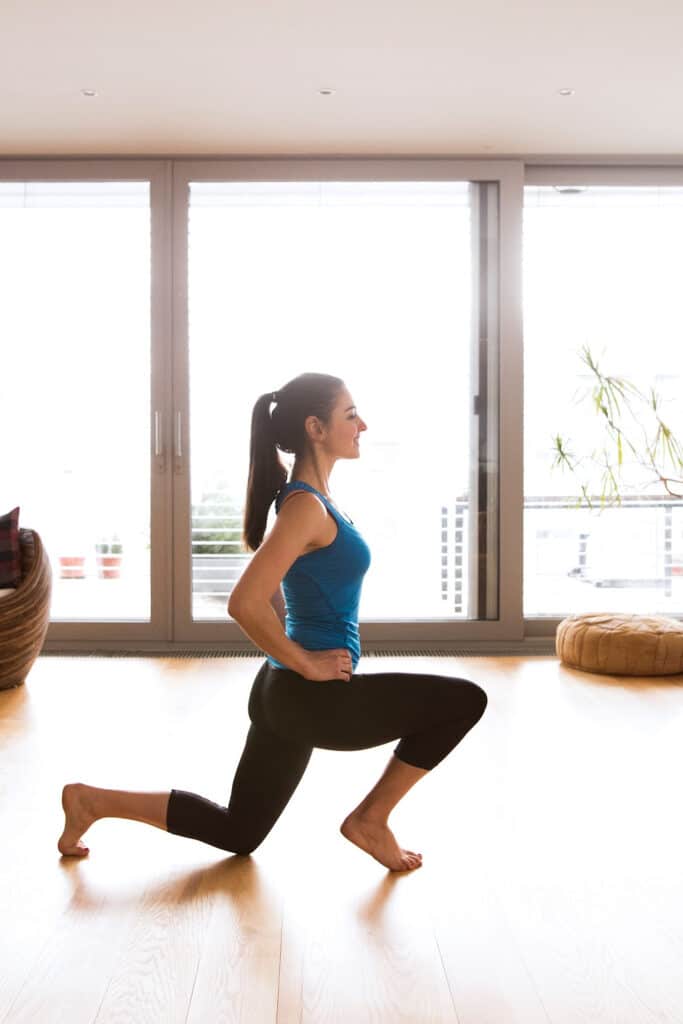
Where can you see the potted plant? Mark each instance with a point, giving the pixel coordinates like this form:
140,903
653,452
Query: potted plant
72,567
634,449
631,426
109,551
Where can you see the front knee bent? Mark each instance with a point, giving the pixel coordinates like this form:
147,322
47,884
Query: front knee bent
479,700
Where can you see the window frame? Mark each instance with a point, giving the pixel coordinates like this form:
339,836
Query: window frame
84,635
508,175
548,172
168,198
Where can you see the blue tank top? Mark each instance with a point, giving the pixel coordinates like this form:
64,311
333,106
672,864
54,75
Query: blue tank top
322,588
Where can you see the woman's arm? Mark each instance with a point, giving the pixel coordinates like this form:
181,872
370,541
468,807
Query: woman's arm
258,619
300,523
261,624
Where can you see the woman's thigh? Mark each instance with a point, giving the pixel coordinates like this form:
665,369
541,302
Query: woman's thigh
368,710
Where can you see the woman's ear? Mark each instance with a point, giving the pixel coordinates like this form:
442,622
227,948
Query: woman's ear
313,428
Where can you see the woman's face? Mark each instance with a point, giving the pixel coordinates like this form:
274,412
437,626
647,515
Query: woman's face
342,432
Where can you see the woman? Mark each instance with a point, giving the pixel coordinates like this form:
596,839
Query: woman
306,694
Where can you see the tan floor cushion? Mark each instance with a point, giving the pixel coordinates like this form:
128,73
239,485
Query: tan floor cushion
621,644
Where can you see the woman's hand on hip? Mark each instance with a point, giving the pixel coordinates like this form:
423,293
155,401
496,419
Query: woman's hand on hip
324,665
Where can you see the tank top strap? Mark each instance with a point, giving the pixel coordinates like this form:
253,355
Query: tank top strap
301,485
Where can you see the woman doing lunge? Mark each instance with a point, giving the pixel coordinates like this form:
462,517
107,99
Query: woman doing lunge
307,693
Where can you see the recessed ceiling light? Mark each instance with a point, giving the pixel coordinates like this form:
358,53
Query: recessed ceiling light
326,92
89,92
566,92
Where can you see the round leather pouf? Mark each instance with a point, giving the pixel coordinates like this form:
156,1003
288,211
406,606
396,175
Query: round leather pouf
621,644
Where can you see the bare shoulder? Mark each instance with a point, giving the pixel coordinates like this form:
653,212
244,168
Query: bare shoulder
307,516
296,529
308,500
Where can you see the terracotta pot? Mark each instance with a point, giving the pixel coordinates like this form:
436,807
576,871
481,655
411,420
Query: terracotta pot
72,567
109,567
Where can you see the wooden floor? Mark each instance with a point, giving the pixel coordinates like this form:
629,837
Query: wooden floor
551,890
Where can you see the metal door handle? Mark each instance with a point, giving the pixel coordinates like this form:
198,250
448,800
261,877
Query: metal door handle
158,435
178,435
159,452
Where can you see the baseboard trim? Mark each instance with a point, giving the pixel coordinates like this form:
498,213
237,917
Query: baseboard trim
540,646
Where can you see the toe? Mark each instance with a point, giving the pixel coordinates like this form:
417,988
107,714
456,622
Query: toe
76,850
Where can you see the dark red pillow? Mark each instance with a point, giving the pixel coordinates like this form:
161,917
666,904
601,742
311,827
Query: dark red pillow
10,552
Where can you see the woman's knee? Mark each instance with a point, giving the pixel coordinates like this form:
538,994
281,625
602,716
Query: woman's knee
482,698
241,837
475,701
246,843
479,699
245,849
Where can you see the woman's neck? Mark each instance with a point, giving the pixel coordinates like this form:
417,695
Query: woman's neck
315,476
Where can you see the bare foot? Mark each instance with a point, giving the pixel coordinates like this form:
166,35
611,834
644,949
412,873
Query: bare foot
378,840
78,817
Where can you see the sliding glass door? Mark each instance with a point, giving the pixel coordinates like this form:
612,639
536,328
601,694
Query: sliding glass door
603,304
147,304
391,285
76,392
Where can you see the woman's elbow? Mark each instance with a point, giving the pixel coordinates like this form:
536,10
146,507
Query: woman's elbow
243,606
235,606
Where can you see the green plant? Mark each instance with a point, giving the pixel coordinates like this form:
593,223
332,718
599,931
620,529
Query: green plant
217,523
109,545
632,428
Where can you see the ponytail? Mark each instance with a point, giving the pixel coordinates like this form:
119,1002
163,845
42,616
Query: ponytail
266,473
309,394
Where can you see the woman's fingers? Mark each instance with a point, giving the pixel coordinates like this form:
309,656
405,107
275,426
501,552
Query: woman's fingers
335,663
344,664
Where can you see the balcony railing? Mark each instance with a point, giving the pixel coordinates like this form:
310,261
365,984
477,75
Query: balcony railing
215,574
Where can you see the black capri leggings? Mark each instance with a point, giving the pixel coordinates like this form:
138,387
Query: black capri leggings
291,715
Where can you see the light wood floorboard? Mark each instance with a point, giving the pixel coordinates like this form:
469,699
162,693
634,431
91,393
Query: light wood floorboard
551,890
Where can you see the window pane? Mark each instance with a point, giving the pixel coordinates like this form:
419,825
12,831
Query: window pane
75,386
601,269
371,282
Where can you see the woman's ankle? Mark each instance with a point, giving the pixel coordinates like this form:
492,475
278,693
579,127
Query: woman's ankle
90,802
373,815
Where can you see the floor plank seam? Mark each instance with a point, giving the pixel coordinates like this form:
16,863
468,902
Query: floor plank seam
448,980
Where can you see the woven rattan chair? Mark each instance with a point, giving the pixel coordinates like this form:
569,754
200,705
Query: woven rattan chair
24,615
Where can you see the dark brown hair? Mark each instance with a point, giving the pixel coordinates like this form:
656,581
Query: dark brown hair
309,394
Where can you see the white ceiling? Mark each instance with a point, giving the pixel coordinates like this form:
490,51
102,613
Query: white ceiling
430,77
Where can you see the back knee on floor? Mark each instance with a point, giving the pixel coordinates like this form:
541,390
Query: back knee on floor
246,844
